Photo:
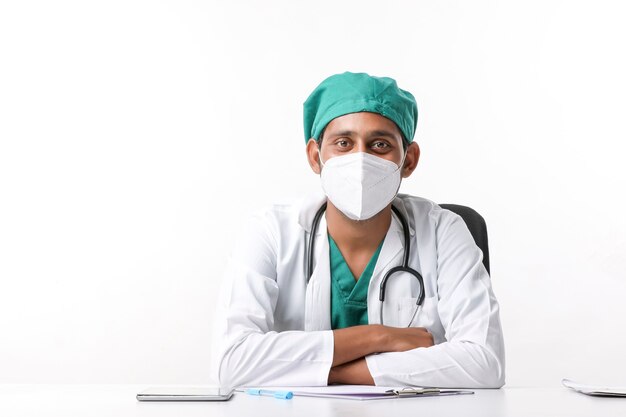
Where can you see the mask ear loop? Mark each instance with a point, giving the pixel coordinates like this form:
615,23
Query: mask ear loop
320,157
319,154
401,166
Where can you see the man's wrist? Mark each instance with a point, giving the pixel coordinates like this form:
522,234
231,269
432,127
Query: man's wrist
355,372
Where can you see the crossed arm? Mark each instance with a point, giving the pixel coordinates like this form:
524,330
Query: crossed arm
249,351
352,344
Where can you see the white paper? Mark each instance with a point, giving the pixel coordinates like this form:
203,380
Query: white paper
351,392
339,389
597,390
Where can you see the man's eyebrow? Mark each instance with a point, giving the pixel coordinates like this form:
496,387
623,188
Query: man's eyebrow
343,133
384,133
373,133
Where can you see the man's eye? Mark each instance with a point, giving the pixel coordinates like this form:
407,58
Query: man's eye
342,143
380,145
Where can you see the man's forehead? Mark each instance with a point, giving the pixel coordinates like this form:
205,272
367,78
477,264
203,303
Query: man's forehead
362,123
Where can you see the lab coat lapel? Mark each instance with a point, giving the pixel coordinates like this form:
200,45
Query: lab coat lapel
390,256
317,304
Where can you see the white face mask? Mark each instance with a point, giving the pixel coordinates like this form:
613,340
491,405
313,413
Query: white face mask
360,184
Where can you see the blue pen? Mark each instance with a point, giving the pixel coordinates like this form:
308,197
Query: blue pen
283,395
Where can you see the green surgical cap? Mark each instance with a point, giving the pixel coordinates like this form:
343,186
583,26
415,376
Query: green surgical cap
356,92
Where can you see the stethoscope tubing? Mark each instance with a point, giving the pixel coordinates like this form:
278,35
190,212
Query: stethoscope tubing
397,269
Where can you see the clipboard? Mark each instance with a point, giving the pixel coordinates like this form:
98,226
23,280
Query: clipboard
426,392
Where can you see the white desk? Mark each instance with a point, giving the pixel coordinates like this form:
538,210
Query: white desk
119,401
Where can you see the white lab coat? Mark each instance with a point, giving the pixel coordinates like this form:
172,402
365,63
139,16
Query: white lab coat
271,328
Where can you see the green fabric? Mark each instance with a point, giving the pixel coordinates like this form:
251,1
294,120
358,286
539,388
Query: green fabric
349,92
348,297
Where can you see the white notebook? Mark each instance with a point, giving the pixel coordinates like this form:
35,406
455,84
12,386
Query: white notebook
596,390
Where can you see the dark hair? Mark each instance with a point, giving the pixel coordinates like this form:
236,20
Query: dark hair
319,140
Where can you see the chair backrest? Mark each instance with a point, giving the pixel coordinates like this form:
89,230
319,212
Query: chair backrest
476,225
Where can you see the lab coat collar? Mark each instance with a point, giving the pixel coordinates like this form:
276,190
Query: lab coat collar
311,203
398,202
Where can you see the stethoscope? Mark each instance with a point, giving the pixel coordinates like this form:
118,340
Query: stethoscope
402,268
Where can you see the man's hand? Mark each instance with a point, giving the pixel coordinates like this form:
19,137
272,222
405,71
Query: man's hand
397,339
352,344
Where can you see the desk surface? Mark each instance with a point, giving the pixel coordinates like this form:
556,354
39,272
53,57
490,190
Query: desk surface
119,400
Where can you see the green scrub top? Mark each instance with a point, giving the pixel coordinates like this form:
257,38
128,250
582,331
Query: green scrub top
348,297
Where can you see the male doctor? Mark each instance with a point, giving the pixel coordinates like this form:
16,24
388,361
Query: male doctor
275,325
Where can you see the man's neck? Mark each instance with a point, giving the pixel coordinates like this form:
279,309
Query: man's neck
362,235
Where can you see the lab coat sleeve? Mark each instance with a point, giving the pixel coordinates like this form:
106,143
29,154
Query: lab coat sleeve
473,354
247,351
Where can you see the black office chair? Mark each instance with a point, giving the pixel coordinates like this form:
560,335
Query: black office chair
476,225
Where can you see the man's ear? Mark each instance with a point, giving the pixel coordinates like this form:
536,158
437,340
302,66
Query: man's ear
411,159
313,156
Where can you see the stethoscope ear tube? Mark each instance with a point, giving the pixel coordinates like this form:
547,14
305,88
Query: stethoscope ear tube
311,252
396,269
383,285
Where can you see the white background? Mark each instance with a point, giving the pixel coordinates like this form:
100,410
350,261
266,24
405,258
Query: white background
135,136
